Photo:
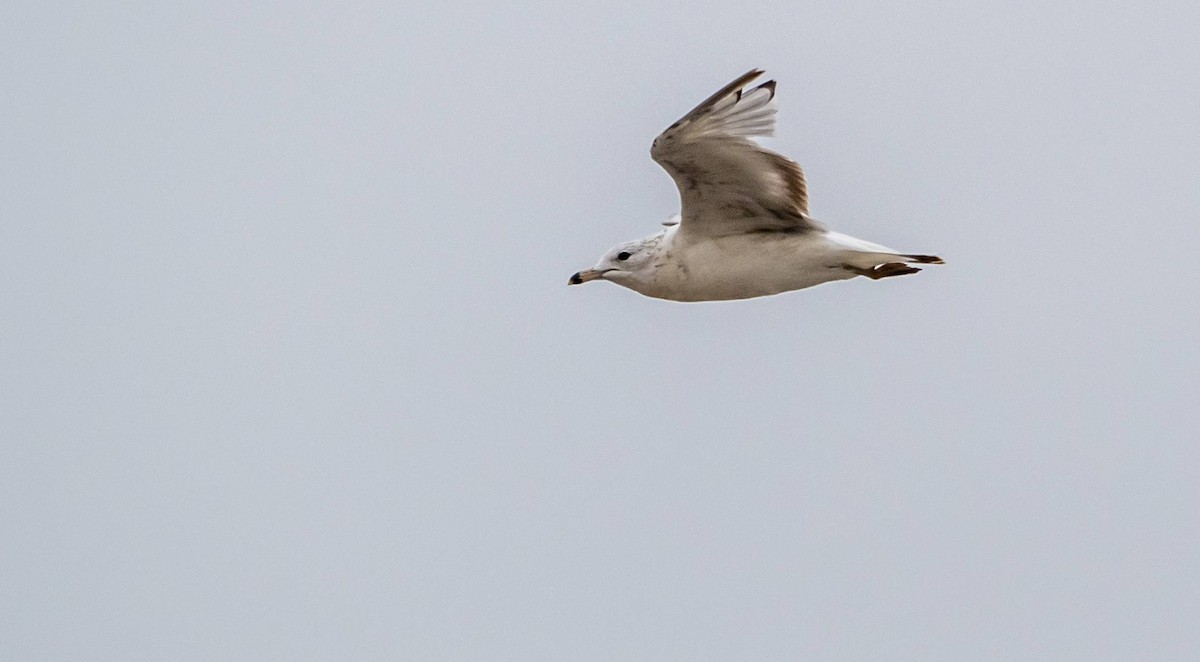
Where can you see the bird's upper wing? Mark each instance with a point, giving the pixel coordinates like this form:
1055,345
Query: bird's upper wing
728,184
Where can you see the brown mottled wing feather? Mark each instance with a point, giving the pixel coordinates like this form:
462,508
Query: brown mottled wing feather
728,184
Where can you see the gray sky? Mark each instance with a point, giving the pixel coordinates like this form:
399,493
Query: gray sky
289,369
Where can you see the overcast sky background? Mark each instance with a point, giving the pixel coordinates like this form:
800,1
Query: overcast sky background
289,369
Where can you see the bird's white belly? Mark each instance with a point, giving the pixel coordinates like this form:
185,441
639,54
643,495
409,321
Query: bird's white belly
749,265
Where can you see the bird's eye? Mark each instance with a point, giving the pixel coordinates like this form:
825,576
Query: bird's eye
623,255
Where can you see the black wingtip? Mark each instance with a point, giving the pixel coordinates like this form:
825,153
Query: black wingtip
926,259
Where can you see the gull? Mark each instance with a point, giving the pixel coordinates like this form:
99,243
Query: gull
743,230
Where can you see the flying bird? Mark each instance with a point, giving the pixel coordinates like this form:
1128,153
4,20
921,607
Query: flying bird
744,230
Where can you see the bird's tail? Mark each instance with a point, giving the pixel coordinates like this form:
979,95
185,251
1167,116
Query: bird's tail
886,265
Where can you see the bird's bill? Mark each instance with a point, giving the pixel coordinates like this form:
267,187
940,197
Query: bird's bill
581,277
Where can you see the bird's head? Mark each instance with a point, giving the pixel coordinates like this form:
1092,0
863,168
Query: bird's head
628,264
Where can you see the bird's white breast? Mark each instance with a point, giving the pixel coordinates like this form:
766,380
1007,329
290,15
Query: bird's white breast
743,266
